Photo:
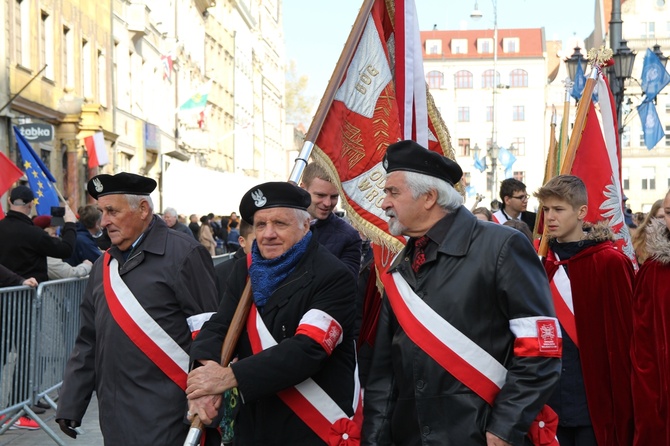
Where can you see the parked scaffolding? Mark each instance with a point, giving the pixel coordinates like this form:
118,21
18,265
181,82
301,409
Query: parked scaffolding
38,328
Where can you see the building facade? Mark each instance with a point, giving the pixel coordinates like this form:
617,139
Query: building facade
484,111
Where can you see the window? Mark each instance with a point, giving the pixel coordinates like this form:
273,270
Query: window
102,79
433,46
625,178
86,73
22,32
667,137
518,78
485,46
463,79
518,113
47,45
463,114
521,176
511,44
518,146
625,137
435,79
464,145
489,113
459,46
667,107
648,178
487,79
648,30
467,177
68,58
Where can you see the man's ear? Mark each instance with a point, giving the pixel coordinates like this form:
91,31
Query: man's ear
145,210
582,211
430,199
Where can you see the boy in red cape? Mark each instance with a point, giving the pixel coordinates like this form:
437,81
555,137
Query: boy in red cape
591,285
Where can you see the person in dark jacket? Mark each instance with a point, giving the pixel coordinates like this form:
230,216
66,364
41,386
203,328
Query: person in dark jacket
468,347
10,278
23,246
144,301
225,268
333,232
172,219
88,226
297,344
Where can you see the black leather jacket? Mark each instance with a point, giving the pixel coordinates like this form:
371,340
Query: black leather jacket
480,277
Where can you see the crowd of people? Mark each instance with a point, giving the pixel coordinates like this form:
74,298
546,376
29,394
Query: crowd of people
478,341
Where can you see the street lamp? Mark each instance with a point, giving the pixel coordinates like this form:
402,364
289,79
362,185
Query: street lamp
476,15
660,55
624,58
574,61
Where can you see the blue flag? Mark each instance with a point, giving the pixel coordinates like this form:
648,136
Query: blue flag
579,83
470,191
39,178
651,125
506,158
654,76
480,163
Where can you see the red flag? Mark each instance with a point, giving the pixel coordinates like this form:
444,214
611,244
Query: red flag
598,164
9,174
367,114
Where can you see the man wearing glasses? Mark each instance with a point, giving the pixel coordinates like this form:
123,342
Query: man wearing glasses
514,202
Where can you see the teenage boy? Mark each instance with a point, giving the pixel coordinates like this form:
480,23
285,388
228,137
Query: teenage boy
591,284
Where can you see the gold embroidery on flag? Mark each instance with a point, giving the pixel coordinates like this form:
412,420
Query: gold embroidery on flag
352,144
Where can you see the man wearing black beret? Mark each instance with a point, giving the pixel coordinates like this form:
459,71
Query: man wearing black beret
295,372
146,298
468,347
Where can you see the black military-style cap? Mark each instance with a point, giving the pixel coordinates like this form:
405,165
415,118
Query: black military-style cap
411,157
275,194
121,183
21,195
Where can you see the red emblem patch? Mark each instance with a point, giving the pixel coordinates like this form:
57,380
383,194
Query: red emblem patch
547,335
333,334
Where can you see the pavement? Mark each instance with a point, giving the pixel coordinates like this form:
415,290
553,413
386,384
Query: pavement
90,425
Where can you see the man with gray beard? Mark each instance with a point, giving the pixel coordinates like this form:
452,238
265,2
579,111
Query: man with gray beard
468,347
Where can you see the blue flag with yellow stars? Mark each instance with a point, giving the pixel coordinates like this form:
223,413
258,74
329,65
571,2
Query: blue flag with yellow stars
39,178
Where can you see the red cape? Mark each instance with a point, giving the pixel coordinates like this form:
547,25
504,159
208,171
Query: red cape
650,352
601,279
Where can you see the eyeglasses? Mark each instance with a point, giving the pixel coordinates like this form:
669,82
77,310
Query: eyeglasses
522,197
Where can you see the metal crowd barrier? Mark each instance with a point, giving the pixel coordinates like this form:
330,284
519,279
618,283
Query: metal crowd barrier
38,331
222,258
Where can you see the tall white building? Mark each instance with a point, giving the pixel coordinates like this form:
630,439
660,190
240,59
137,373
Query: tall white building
487,111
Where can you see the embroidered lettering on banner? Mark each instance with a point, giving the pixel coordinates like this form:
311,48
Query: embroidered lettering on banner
547,335
352,144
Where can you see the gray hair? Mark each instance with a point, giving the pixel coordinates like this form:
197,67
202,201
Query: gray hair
301,215
135,200
447,197
170,211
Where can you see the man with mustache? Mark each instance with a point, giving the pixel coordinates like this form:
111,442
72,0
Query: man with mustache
467,348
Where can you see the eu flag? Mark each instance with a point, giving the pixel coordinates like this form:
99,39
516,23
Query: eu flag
39,178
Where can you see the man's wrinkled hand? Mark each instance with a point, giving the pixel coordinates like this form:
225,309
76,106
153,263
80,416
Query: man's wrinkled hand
492,440
206,408
210,379
68,427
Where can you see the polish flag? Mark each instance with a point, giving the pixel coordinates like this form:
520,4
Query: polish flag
97,152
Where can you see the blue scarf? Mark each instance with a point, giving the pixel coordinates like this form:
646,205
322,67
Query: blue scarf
266,275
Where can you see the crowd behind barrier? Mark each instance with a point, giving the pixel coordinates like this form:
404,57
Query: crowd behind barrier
38,330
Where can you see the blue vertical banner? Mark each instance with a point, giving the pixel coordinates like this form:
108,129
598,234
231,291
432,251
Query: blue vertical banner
651,124
507,159
579,83
654,75
480,163
39,178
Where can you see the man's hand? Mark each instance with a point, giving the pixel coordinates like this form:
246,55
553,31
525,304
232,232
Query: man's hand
69,216
206,408
30,282
210,379
68,427
492,440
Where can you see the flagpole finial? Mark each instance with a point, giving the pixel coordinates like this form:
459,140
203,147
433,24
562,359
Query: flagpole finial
600,56
568,83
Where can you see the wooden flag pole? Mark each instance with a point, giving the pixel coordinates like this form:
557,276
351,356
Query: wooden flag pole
333,84
576,136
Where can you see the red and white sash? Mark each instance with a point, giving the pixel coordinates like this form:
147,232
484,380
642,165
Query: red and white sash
308,400
463,358
142,329
561,292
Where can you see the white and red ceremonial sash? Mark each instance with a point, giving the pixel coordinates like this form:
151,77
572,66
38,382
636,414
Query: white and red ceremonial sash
308,400
561,293
467,361
140,327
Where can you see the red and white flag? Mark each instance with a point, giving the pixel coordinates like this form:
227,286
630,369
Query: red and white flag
97,152
381,99
166,62
598,164
9,174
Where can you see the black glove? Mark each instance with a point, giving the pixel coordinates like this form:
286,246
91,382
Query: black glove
68,427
